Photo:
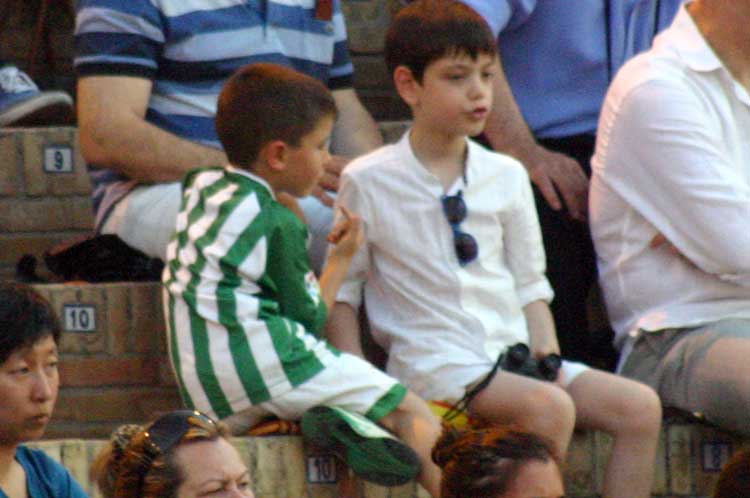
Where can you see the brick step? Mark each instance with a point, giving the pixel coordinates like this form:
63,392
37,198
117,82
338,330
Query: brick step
688,464
113,366
44,192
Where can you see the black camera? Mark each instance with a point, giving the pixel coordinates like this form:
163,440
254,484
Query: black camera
517,359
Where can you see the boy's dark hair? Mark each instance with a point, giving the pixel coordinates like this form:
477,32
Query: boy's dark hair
484,462
25,318
427,30
265,102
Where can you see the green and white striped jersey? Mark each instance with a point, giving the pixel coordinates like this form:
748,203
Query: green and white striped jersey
243,307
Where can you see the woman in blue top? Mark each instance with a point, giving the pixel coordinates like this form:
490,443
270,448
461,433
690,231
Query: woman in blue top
29,382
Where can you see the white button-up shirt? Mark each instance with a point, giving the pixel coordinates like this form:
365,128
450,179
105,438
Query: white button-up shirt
443,324
673,157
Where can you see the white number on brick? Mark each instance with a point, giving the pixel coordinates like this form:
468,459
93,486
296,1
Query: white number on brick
79,317
715,454
321,469
58,159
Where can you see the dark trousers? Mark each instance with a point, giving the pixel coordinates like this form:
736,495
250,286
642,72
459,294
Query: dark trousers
571,262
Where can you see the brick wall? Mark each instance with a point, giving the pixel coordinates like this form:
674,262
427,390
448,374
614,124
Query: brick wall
113,366
44,192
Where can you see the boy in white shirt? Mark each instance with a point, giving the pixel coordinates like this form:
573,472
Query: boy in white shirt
452,268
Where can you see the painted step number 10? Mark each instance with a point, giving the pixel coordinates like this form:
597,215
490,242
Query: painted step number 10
79,317
321,469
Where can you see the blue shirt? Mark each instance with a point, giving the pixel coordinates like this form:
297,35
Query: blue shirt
45,478
189,49
560,55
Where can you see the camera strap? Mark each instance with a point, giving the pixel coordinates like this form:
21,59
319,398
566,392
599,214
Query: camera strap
462,405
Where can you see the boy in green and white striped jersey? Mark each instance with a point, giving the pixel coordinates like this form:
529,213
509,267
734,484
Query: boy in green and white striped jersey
244,310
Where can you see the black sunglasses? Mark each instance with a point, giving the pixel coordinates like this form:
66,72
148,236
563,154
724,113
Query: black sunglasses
167,431
455,211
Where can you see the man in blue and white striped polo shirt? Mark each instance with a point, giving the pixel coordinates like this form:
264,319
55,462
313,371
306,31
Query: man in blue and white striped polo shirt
149,73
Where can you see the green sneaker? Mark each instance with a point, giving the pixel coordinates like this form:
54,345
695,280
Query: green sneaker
370,451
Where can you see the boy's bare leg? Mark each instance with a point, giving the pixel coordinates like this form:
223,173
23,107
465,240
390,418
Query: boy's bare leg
631,413
418,427
535,406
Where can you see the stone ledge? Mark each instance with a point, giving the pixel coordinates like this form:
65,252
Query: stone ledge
688,462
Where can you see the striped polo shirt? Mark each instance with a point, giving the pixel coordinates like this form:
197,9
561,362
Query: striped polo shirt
243,307
188,48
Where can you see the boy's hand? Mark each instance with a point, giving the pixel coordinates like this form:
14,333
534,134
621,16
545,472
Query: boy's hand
347,235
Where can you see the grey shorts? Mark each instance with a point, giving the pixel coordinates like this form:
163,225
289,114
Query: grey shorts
698,369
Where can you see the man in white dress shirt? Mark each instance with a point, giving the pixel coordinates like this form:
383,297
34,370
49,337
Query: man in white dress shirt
670,212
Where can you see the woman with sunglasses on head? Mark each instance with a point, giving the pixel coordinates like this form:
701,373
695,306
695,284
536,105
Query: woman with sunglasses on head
29,382
183,454
497,462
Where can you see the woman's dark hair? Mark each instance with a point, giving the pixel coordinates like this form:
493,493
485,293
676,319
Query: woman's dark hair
734,480
139,461
25,318
484,462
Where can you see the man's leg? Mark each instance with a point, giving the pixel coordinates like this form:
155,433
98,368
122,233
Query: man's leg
145,218
571,262
703,370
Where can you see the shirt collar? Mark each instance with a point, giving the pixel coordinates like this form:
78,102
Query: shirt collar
252,176
421,170
691,46
697,54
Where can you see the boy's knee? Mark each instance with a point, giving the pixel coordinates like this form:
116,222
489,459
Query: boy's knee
641,411
412,414
549,409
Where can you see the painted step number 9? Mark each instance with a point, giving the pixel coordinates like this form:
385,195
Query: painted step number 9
58,159
79,317
321,470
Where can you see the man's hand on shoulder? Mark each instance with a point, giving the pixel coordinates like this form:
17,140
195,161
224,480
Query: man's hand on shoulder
329,182
557,175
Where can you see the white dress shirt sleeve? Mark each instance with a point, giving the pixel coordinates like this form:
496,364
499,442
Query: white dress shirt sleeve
524,250
665,156
354,200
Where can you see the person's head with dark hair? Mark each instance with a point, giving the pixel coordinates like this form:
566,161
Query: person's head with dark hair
497,462
427,30
276,122
183,454
25,318
734,480
29,381
443,60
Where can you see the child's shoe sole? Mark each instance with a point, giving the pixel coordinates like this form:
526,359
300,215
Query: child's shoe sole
371,452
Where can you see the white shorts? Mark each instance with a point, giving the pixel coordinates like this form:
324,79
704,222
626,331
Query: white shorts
145,219
348,382
569,370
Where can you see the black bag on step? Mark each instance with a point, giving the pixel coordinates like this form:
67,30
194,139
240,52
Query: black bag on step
102,258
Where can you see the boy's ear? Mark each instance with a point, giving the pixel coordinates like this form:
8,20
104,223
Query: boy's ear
406,84
274,154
